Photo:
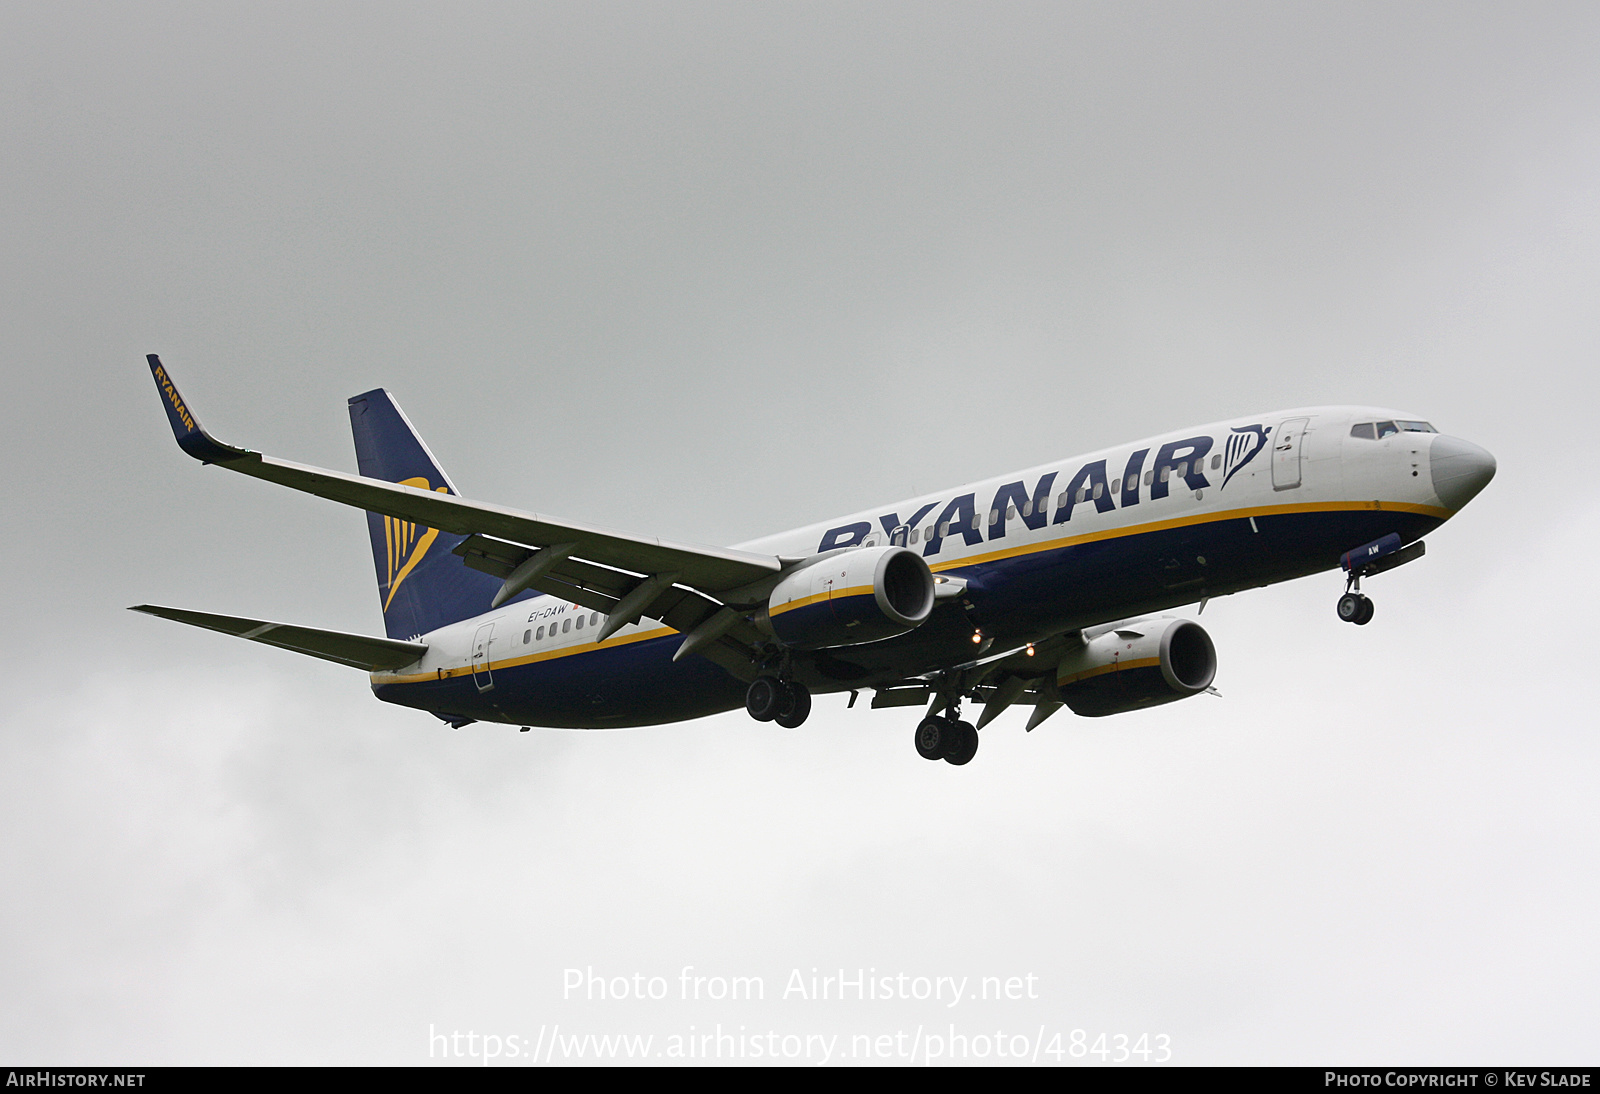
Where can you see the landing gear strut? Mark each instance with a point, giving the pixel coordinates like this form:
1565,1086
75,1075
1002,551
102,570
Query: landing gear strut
1353,607
946,738
770,699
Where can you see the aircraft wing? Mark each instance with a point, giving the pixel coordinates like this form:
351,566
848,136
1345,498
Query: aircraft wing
356,650
711,569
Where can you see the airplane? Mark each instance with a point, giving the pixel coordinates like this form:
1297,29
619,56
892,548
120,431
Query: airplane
1041,588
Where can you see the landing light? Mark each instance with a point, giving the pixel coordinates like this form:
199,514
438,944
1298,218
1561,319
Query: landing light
977,636
1030,649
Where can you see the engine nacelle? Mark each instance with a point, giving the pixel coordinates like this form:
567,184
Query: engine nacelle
851,597
1142,663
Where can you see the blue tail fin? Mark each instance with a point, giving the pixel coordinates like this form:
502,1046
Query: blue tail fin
421,584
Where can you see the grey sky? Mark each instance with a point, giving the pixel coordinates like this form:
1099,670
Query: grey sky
708,272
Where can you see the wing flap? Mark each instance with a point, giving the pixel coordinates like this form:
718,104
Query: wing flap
355,650
501,559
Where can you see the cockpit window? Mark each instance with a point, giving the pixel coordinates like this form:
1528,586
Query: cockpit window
1365,431
1417,427
1387,429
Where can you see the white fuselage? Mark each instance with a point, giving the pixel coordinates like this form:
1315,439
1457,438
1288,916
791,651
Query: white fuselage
1165,501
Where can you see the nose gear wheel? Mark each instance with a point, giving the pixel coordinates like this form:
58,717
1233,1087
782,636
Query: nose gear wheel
1355,608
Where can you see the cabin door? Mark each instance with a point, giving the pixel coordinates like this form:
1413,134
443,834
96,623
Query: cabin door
480,657
1286,453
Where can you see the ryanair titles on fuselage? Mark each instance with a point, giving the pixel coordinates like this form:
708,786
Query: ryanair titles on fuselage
1093,483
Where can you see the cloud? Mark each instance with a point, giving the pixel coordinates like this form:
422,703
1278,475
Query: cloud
1366,847
706,274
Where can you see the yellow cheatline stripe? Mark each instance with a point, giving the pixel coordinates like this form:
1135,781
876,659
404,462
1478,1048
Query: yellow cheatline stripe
528,659
1197,518
1142,663
1013,552
859,590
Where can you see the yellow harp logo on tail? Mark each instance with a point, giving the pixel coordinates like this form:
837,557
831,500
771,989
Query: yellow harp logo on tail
406,542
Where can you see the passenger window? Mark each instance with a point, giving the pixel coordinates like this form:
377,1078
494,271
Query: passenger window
580,622
944,529
994,516
1061,502
1083,492
1166,473
1150,477
1099,489
527,636
1183,469
594,619
540,637
914,535
1365,431
1216,461
1386,429
1116,486
566,626
1011,511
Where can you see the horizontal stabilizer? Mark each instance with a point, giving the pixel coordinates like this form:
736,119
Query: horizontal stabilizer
356,650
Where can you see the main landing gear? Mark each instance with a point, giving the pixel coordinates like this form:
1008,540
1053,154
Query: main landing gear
770,699
946,738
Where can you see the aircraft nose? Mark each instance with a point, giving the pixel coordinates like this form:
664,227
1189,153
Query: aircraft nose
1460,469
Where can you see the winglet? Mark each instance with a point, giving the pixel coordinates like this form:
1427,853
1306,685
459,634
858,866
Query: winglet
185,426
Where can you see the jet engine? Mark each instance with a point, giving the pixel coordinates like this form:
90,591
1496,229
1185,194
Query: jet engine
850,597
1141,663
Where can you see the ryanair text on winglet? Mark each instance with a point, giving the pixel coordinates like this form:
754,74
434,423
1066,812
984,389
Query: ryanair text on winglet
173,398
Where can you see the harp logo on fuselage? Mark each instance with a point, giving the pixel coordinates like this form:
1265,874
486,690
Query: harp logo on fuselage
1241,448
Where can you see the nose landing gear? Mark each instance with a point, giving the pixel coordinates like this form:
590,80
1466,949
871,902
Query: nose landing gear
1355,608
1372,558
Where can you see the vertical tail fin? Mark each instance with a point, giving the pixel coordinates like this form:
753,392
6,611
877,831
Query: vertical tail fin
421,585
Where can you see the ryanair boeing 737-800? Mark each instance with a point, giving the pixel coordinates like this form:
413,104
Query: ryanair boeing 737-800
1038,588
